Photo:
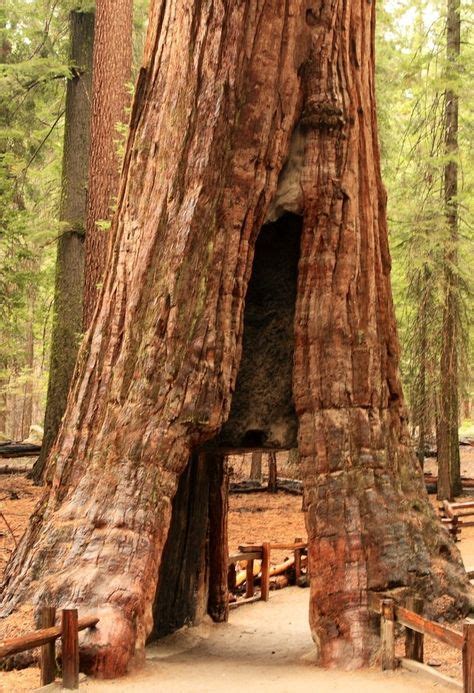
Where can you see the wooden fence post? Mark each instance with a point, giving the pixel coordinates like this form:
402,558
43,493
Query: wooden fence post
387,634
298,540
249,579
414,642
48,651
231,577
468,657
455,529
70,649
265,579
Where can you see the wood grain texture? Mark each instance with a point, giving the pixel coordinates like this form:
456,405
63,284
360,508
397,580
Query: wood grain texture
414,642
421,625
265,572
70,648
110,96
468,657
48,651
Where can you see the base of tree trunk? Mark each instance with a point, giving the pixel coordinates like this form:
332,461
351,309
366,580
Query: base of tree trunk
371,528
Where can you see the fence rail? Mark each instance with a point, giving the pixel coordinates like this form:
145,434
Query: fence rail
46,637
417,626
454,516
254,552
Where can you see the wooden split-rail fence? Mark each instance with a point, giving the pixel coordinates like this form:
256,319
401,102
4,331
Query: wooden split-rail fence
261,552
45,637
417,626
455,516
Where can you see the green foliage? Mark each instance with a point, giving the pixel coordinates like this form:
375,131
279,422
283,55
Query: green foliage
33,73
34,68
412,77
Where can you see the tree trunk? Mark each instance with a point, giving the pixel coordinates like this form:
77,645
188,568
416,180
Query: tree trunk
27,410
272,473
3,395
218,603
240,110
67,320
449,470
110,96
256,466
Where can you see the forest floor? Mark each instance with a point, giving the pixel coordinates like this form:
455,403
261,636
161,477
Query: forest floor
240,652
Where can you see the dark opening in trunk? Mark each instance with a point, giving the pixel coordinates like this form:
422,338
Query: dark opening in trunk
262,412
182,582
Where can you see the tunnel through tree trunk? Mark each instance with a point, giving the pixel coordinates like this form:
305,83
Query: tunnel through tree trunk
182,583
193,572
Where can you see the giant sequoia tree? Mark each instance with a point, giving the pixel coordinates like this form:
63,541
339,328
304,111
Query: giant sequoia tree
246,115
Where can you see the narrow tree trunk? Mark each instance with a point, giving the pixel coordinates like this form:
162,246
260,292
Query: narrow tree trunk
3,396
16,403
256,466
227,94
423,402
272,473
449,473
67,319
27,410
110,97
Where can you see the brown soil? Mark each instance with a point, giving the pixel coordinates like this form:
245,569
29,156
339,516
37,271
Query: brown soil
258,517
18,498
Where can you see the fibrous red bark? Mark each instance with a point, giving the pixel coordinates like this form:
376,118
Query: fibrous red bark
242,111
112,67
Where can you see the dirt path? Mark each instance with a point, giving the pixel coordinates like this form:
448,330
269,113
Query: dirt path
264,647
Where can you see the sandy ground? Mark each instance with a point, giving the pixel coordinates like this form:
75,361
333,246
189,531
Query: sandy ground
263,646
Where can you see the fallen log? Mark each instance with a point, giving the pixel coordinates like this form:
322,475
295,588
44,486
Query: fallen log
19,450
295,486
12,469
279,582
275,570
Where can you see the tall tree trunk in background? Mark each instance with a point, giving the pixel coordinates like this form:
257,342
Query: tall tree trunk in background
15,402
27,413
422,393
3,395
110,97
256,466
423,399
67,320
449,472
272,473
229,93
